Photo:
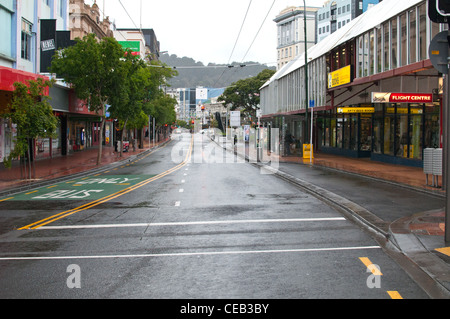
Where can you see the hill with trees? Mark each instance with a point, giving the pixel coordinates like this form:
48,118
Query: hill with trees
193,73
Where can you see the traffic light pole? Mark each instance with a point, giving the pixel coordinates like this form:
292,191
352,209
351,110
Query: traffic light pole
446,113
446,119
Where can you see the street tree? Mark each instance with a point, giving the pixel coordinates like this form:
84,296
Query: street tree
162,108
133,105
31,111
94,69
244,94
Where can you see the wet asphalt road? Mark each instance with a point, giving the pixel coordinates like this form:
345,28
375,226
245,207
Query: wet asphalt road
187,221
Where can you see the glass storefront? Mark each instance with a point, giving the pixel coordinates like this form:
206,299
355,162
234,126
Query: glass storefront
397,130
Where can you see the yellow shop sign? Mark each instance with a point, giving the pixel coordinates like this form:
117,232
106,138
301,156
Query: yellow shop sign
355,110
340,77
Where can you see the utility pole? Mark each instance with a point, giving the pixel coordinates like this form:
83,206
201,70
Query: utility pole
439,12
306,73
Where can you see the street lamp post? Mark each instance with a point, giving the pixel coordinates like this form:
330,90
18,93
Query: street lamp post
306,74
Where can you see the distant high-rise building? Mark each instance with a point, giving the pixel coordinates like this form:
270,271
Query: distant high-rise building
291,32
337,13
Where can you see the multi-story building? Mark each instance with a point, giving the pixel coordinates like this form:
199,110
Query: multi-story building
32,30
291,32
376,93
337,13
86,19
23,50
142,42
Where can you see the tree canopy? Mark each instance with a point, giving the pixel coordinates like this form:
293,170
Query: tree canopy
244,94
31,111
102,73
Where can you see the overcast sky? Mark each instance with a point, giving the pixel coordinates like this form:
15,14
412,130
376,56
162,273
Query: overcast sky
207,30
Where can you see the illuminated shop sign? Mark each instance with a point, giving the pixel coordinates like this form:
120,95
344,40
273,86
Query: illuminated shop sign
355,109
340,77
381,97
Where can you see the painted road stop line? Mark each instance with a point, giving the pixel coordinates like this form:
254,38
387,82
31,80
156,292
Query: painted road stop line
87,188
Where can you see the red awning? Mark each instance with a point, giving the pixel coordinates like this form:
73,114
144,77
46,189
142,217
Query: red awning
8,76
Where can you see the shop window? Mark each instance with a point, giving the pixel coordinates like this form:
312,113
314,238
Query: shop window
353,132
333,131
339,131
378,129
401,136
415,132
327,130
432,128
346,131
388,134
366,132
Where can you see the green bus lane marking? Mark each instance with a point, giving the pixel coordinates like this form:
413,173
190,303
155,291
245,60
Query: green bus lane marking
90,188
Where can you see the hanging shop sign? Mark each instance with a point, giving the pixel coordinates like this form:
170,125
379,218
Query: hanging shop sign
355,110
382,97
340,77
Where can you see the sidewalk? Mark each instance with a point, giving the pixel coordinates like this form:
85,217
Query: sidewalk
418,237
47,170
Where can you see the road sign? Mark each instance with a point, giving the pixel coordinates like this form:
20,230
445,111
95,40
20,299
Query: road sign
235,118
438,10
439,52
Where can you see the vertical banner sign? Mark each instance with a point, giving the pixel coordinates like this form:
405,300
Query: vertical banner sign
48,43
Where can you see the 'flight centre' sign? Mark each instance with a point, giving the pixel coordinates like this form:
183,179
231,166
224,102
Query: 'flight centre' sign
380,97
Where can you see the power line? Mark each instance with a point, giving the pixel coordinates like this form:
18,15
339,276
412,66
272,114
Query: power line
264,21
245,17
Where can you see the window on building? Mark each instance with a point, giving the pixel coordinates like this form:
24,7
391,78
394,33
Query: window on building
412,36
403,41
394,44
422,32
5,35
379,33
26,40
371,56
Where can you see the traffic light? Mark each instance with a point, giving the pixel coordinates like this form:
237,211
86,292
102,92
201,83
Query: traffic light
439,10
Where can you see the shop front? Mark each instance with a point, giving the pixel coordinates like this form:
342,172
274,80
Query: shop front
8,130
394,129
84,126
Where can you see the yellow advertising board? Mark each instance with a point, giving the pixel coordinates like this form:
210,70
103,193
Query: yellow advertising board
340,77
355,110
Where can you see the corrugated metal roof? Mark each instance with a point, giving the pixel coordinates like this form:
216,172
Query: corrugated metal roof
373,17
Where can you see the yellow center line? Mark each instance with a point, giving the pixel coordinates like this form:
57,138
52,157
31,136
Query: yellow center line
105,199
394,295
4,200
366,261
